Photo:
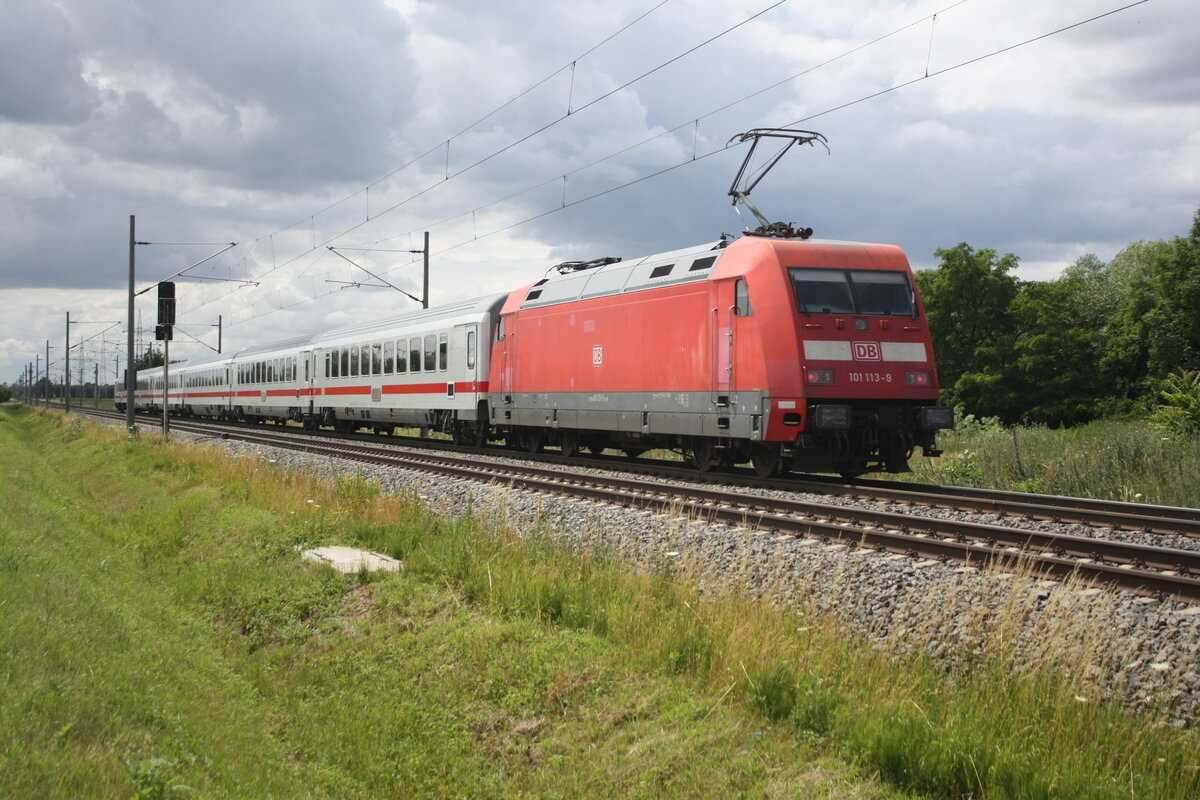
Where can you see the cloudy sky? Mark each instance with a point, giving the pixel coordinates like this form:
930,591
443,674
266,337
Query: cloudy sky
523,133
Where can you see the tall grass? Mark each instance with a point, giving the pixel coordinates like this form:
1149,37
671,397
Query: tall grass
1118,460
1014,705
1022,713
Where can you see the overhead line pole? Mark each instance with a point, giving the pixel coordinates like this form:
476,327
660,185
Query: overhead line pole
67,368
130,375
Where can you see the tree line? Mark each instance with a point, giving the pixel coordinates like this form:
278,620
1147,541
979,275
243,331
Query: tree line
1101,340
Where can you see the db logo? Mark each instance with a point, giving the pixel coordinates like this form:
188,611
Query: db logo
597,355
866,351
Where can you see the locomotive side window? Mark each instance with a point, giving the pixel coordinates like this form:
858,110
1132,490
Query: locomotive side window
741,302
500,331
430,352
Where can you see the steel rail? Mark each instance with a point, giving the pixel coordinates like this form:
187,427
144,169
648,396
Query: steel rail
1136,517
1041,553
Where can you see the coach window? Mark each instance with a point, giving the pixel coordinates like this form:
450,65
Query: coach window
443,351
364,353
470,349
401,356
414,355
389,357
741,300
430,353
377,359
345,362
353,362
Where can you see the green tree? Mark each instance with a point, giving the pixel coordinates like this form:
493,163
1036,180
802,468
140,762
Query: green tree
5,394
968,301
153,357
1154,329
1055,372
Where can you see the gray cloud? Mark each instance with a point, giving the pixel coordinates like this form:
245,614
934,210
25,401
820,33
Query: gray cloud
227,121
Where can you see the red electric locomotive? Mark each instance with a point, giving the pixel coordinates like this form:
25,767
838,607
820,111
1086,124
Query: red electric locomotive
811,355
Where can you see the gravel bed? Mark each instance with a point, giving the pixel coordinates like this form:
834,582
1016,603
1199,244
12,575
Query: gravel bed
1141,650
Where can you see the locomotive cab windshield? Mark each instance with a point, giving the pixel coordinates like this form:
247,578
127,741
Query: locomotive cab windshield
839,291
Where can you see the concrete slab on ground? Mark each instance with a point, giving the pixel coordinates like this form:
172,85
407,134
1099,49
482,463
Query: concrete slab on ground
351,559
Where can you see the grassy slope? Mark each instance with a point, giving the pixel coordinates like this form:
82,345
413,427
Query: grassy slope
161,639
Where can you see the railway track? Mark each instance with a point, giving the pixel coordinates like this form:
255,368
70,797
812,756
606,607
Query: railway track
1136,567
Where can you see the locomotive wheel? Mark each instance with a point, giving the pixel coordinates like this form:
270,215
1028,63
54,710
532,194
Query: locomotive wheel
534,439
701,454
595,443
468,434
568,442
766,460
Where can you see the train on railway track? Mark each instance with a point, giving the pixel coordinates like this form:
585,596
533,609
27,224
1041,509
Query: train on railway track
774,349
785,353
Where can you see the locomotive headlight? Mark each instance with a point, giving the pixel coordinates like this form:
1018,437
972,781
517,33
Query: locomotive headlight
818,377
918,377
831,416
937,418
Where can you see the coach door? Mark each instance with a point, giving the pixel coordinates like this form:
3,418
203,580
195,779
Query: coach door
306,380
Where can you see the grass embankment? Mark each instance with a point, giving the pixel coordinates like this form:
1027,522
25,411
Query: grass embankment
1131,461
162,638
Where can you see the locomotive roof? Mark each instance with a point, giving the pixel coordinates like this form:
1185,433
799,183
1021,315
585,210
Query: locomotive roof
689,265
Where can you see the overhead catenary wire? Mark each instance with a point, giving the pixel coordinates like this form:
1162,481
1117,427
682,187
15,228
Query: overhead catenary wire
446,142
520,140
933,74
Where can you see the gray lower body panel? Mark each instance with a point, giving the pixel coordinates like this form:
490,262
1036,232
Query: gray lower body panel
739,415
